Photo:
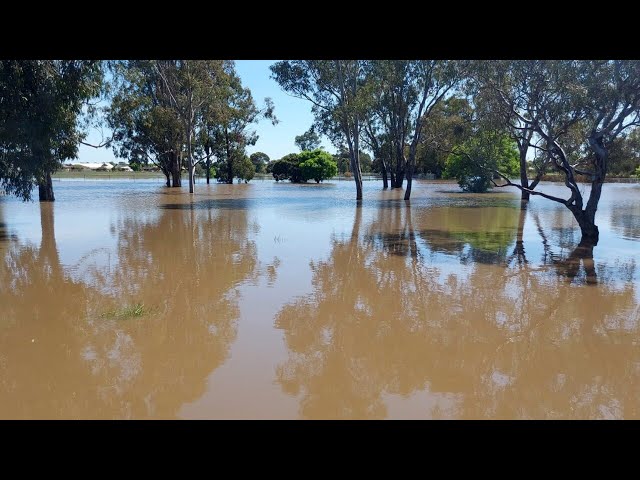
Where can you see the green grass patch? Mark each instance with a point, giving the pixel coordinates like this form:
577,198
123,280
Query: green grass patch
137,310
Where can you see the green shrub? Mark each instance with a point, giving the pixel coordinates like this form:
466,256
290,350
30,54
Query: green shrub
317,165
474,162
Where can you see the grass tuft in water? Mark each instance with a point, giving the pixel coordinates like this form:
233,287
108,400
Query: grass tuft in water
137,310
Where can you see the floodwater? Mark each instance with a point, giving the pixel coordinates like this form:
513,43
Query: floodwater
130,300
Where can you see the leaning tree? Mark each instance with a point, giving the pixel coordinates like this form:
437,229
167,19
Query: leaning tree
600,99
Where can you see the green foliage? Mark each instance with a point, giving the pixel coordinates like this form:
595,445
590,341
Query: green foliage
230,134
245,169
288,167
449,126
476,160
146,127
638,172
41,103
317,165
137,310
260,160
309,140
624,155
343,161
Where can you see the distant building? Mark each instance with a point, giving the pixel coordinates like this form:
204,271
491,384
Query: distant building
89,166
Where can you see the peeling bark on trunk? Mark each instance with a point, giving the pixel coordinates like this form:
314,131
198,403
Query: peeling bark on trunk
45,189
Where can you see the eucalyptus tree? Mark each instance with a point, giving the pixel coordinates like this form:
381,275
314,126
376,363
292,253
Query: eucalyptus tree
191,85
41,106
403,94
229,133
260,160
598,99
146,128
336,90
308,141
377,140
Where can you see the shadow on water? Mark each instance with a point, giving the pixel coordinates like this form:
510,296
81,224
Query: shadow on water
499,340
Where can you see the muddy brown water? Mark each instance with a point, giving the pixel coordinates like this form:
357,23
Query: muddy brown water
129,300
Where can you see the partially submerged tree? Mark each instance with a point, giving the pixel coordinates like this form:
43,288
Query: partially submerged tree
231,133
602,98
317,165
146,129
287,168
473,163
403,94
41,102
335,88
260,160
450,125
192,85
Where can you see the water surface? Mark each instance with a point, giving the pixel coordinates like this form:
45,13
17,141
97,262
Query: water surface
273,300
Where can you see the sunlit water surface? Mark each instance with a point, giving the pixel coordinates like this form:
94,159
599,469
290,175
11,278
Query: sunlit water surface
271,300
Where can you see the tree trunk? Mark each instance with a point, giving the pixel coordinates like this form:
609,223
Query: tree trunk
176,178
589,231
385,181
357,174
190,162
518,250
208,170
45,189
166,174
524,180
399,175
229,162
407,193
355,164
192,169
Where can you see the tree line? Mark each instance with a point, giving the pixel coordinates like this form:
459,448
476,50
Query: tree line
563,116
486,123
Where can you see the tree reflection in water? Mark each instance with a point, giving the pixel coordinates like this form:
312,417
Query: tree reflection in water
184,266
414,302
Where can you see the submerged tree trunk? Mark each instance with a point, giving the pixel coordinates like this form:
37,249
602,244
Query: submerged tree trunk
392,177
357,174
45,189
385,180
354,150
588,229
176,179
190,162
407,193
518,250
399,180
524,179
166,174
192,169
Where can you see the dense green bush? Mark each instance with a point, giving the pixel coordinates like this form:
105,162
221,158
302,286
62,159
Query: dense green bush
288,167
317,165
246,169
473,163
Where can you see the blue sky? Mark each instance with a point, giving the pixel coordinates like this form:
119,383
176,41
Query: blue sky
276,141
